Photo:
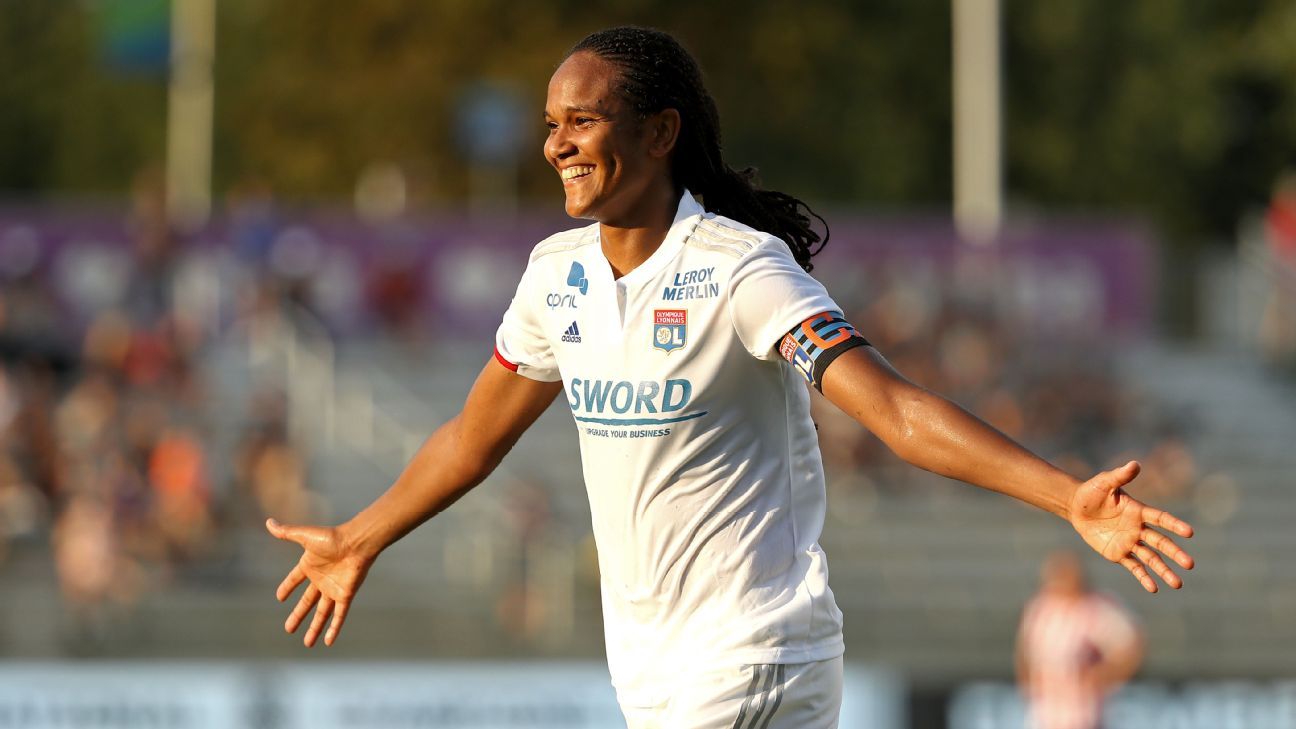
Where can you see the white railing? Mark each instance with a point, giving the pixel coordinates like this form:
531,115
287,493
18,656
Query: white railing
325,408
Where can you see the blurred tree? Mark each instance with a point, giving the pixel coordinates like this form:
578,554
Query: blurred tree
69,124
308,98
1180,111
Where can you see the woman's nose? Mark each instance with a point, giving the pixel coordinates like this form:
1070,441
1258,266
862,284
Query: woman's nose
558,145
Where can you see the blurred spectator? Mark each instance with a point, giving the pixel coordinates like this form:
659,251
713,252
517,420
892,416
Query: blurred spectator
107,341
87,413
395,294
182,497
1000,408
522,609
1169,470
1278,323
253,220
1074,647
32,440
32,329
270,468
148,297
394,287
23,510
94,575
1280,219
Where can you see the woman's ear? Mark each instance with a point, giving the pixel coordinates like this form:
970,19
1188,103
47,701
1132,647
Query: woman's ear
663,131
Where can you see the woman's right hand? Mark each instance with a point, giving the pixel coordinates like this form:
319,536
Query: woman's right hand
458,456
334,570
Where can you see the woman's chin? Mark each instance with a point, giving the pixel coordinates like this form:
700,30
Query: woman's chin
577,208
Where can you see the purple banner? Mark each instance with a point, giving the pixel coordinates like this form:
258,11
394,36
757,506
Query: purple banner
1079,276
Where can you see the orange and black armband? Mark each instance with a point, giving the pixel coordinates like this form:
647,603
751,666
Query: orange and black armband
813,344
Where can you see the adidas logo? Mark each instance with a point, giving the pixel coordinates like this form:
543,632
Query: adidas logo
572,334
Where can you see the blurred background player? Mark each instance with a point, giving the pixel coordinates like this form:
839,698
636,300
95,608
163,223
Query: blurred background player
1074,648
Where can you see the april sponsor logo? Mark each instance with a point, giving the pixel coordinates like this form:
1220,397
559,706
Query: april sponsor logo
670,329
625,409
561,301
696,284
575,279
572,334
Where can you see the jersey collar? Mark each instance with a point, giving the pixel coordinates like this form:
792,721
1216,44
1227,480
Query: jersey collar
687,215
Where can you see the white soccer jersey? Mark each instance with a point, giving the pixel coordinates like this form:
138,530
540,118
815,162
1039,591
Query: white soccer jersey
700,458
1059,637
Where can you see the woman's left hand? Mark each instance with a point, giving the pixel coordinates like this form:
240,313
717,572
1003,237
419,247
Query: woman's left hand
1119,527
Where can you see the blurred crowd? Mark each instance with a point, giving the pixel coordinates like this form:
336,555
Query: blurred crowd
124,462
1057,392
111,449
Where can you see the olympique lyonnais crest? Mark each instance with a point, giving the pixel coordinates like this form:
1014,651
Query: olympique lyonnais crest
670,329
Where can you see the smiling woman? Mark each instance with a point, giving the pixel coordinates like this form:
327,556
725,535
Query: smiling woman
611,162
685,330
648,85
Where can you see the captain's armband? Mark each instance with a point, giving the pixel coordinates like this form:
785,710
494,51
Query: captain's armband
813,344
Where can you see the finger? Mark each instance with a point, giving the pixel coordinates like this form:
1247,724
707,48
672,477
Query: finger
1166,520
1166,545
1140,573
303,606
1117,477
290,584
1158,565
322,614
339,617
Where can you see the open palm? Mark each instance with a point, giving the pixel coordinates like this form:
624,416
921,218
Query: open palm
334,573
1119,527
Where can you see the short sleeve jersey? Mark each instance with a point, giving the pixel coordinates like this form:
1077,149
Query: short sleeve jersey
700,458
1061,639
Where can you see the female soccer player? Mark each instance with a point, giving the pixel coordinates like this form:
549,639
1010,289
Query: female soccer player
679,327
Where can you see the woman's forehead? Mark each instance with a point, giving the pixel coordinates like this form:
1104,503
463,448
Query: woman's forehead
583,81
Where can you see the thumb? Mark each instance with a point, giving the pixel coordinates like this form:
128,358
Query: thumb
1114,479
286,532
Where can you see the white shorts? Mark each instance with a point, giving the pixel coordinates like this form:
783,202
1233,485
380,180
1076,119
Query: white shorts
769,696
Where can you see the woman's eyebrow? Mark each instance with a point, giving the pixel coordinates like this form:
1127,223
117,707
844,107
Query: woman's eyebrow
579,110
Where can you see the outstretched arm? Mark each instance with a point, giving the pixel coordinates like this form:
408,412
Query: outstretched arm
937,435
457,457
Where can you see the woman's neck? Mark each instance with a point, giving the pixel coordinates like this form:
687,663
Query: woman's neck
626,245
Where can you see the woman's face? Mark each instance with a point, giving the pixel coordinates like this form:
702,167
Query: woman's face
597,144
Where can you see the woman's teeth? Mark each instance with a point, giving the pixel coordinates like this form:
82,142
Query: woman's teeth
575,171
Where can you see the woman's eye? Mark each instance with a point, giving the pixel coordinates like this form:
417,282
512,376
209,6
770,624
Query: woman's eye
583,121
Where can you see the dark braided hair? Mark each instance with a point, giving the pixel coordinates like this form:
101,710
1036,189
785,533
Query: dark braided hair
658,73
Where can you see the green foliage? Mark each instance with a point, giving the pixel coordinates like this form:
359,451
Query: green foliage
65,126
1181,111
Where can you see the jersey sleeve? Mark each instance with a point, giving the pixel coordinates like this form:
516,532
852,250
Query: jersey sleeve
769,294
520,344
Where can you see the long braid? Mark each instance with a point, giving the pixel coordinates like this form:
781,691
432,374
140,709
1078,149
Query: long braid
658,73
